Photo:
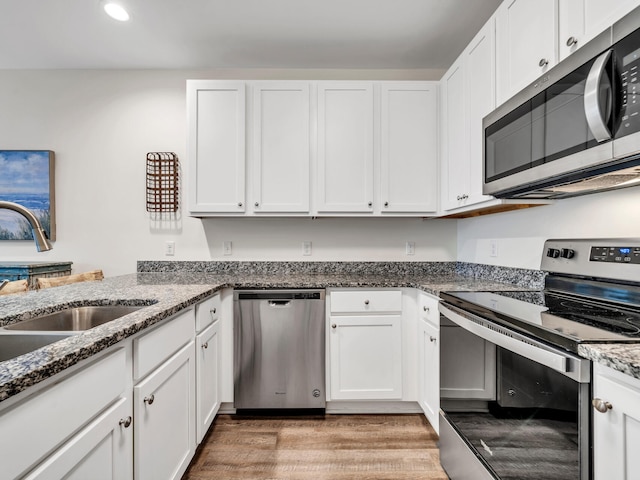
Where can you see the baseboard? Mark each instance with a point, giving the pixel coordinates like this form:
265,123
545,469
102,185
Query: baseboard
361,406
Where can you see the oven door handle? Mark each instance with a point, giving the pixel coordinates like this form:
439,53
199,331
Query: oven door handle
547,358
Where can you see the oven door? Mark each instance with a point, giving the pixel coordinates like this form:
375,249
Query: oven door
535,422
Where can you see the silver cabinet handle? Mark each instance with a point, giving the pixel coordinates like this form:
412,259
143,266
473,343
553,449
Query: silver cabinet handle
386,204
571,41
600,405
370,204
205,345
256,204
125,422
239,204
333,325
543,62
426,309
366,302
432,339
596,118
213,311
464,196
149,400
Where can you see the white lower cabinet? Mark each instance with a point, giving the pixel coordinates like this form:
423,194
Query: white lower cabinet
616,429
429,358
208,378
101,451
164,412
365,344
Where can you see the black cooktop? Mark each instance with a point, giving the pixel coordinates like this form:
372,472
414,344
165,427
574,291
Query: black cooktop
556,318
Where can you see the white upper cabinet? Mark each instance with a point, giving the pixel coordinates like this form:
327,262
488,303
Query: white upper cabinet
281,147
468,95
345,147
216,146
408,147
582,20
526,39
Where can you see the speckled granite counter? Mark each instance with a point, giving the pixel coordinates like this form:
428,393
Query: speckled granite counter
168,292
622,357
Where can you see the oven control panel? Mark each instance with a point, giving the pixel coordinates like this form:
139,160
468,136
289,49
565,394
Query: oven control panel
607,258
615,254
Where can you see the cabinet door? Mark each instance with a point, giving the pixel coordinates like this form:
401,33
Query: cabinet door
216,146
164,412
582,20
616,432
467,365
480,89
409,147
526,39
101,451
366,357
345,147
208,374
281,147
429,382
455,141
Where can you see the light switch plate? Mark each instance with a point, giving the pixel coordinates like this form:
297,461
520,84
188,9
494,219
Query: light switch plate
306,248
226,247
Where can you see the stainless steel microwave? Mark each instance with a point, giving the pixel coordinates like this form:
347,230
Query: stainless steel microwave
576,129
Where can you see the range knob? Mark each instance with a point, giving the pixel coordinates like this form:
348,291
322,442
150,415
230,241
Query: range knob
553,252
567,253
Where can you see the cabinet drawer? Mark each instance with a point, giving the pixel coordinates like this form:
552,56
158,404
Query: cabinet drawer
207,312
33,428
363,301
428,309
150,350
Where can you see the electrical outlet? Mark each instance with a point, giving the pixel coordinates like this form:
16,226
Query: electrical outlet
170,248
306,248
410,248
493,247
226,247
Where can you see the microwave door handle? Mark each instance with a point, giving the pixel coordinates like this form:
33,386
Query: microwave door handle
592,108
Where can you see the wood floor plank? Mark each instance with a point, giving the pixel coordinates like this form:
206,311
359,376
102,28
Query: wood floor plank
330,447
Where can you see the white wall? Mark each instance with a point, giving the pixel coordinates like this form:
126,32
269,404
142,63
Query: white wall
101,124
520,234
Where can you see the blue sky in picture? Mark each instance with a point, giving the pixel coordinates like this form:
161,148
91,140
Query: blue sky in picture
24,179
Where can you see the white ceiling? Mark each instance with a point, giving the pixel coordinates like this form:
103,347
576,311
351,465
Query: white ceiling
395,34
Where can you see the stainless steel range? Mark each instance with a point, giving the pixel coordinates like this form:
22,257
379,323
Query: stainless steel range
516,403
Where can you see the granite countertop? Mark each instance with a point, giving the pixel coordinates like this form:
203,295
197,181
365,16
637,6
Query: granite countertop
624,357
164,293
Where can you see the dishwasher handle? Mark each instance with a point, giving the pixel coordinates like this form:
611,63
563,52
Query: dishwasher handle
279,303
279,295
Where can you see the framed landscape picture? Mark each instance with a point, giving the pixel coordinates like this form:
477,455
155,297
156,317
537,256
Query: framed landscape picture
27,178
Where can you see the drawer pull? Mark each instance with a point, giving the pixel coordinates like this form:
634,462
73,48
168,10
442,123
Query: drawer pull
600,405
333,325
426,309
571,41
125,422
366,302
149,400
432,339
205,345
213,311
543,62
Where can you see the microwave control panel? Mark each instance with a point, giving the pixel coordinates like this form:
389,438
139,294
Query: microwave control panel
628,55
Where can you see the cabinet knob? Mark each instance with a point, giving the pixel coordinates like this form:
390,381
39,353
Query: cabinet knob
600,405
205,345
333,325
239,204
149,400
213,311
543,62
256,204
425,308
432,339
366,302
386,204
370,204
571,41
125,422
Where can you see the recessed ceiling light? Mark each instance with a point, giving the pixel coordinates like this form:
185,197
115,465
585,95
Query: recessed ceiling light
116,11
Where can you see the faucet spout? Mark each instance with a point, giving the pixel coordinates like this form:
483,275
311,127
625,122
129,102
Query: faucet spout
3,283
39,235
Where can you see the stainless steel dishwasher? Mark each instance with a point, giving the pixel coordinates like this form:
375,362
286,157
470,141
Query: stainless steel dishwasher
279,354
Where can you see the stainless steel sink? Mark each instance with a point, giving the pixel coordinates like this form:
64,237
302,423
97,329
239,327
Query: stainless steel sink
15,344
74,319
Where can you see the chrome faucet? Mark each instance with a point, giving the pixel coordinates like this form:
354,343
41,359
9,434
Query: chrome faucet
3,283
39,235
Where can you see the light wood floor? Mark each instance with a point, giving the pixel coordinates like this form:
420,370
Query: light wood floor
335,447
